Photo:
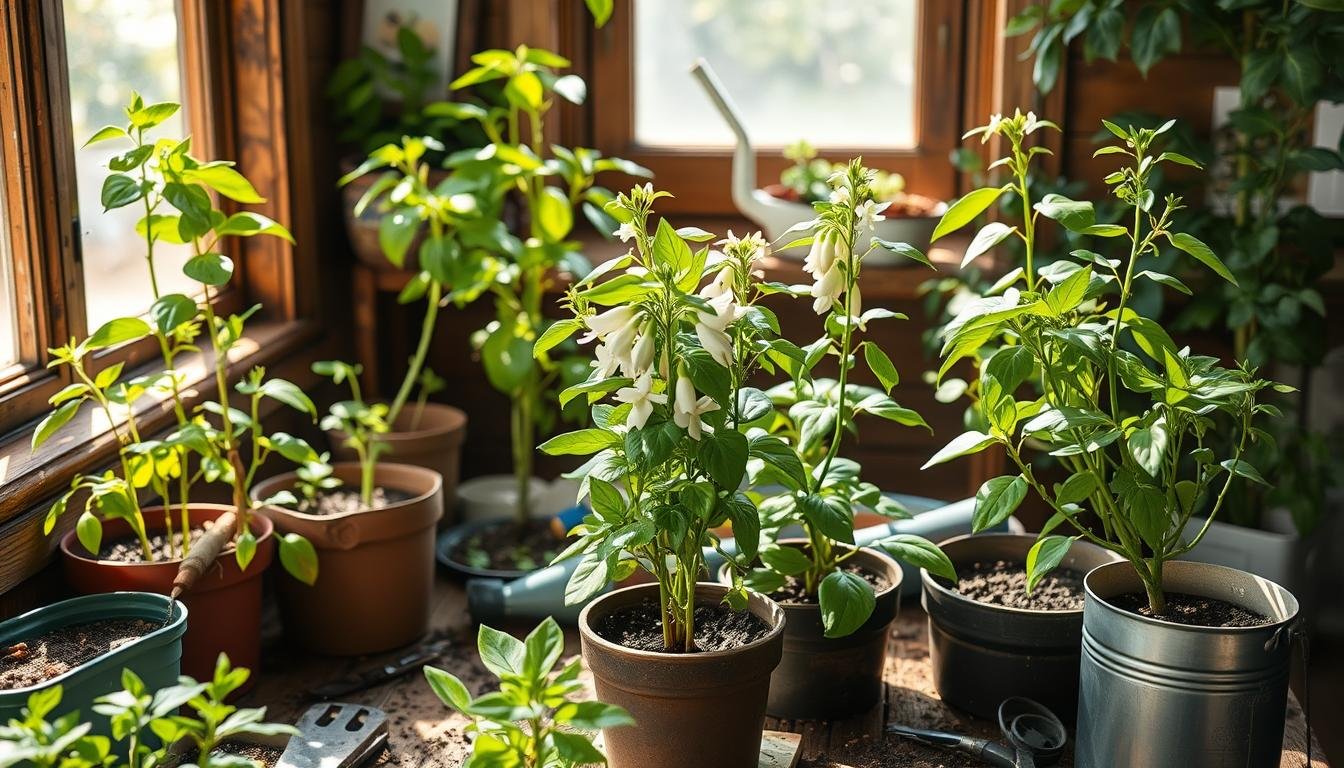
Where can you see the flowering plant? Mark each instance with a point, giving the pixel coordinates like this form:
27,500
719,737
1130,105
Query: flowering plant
669,457
1132,427
813,414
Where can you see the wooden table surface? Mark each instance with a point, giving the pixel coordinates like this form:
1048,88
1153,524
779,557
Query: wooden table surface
424,733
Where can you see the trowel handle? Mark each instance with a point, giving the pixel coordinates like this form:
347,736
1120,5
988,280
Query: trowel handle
204,551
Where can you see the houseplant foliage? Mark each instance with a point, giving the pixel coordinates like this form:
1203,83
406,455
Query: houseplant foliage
810,416
533,720
220,440
1132,427
548,182
1279,251
150,728
669,456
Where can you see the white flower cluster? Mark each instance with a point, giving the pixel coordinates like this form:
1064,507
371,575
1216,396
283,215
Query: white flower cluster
831,256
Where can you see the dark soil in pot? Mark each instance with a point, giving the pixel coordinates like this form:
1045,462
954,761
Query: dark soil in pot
1192,611
794,591
340,502
1002,582
36,660
265,754
127,548
717,628
509,546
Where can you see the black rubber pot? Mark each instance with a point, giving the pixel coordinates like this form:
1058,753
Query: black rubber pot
825,678
1154,693
981,654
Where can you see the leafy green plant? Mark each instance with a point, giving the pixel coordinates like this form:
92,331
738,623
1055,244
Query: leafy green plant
149,726
808,179
215,442
1133,431
813,414
517,166
533,720
1278,252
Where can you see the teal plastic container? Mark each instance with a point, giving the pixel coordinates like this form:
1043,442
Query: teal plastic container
156,657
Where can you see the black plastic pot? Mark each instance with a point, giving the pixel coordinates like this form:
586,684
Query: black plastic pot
1155,693
981,654
831,678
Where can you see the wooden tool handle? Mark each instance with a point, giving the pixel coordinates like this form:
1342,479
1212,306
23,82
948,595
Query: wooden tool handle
204,551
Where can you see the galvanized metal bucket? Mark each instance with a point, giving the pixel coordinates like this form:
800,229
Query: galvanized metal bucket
1154,694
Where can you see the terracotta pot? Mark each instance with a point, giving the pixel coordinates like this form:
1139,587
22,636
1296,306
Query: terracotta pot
225,604
700,709
830,678
435,443
363,230
375,569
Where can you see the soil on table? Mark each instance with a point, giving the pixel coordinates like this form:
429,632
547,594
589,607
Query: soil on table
794,591
127,548
263,754
1192,610
39,659
510,546
717,628
1005,583
340,502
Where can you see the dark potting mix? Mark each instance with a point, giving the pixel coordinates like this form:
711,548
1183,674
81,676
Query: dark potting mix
264,754
341,501
127,548
1005,583
39,659
717,627
794,591
510,546
1192,610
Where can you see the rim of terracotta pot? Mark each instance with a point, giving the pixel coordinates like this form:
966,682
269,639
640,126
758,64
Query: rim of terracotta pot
456,422
801,543
284,480
776,621
72,547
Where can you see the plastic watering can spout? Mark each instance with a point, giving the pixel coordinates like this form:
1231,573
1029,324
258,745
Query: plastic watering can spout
744,157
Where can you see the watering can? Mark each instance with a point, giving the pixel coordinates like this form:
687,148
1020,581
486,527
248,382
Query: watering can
774,215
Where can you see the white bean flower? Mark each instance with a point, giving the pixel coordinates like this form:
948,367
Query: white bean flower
822,254
840,195
687,409
828,289
869,212
641,357
626,232
711,328
641,398
602,325
622,344
605,362
721,284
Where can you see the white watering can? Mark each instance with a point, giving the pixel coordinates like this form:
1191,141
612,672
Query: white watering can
774,215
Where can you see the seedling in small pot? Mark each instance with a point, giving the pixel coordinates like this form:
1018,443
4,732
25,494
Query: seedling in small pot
178,194
810,416
534,720
1126,412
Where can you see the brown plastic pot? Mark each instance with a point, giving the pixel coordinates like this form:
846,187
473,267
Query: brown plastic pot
435,443
981,654
375,569
830,678
225,604
698,709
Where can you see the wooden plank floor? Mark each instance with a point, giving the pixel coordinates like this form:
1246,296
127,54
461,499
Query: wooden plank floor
425,733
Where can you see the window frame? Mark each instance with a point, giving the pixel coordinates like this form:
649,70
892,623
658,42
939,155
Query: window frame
699,176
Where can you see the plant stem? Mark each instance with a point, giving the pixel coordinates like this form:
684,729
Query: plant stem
421,351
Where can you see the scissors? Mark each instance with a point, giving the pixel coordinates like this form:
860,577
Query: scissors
1036,737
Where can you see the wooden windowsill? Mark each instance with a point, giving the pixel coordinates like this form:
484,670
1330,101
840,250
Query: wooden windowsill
28,479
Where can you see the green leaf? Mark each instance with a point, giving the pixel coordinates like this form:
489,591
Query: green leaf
1302,73
119,190
171,311
724,457
1195,247
965,210
785,560
580,442
996,500
746,521
448,688
554,215
118,331
299,558
607,502
989,236
778,454
1074,215
592,715
669,249
1078,487
105,133
1157,32
1046,555
396,230
554,334
904,249
248,224
287,392
222,178
964,444
501,653
543,645
589,578
213,269
919,552
1242,468
89,531
1148,446
576,749
507,358
1166,280
1010,366
652,445
846,601
245,548
881,366
829,515
601,10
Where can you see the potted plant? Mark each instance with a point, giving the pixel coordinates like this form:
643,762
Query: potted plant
667,463
519,165
839,598
1194,656
118,543
123,631
532,721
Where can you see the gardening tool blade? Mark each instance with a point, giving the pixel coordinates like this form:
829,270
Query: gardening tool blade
336,735
377,674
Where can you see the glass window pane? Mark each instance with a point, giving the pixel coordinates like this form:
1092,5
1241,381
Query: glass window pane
9,319
839,73
115,47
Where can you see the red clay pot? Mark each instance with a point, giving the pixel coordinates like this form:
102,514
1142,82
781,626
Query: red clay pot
225,605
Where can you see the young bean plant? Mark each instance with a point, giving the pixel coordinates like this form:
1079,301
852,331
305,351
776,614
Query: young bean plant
1127,413
533,720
